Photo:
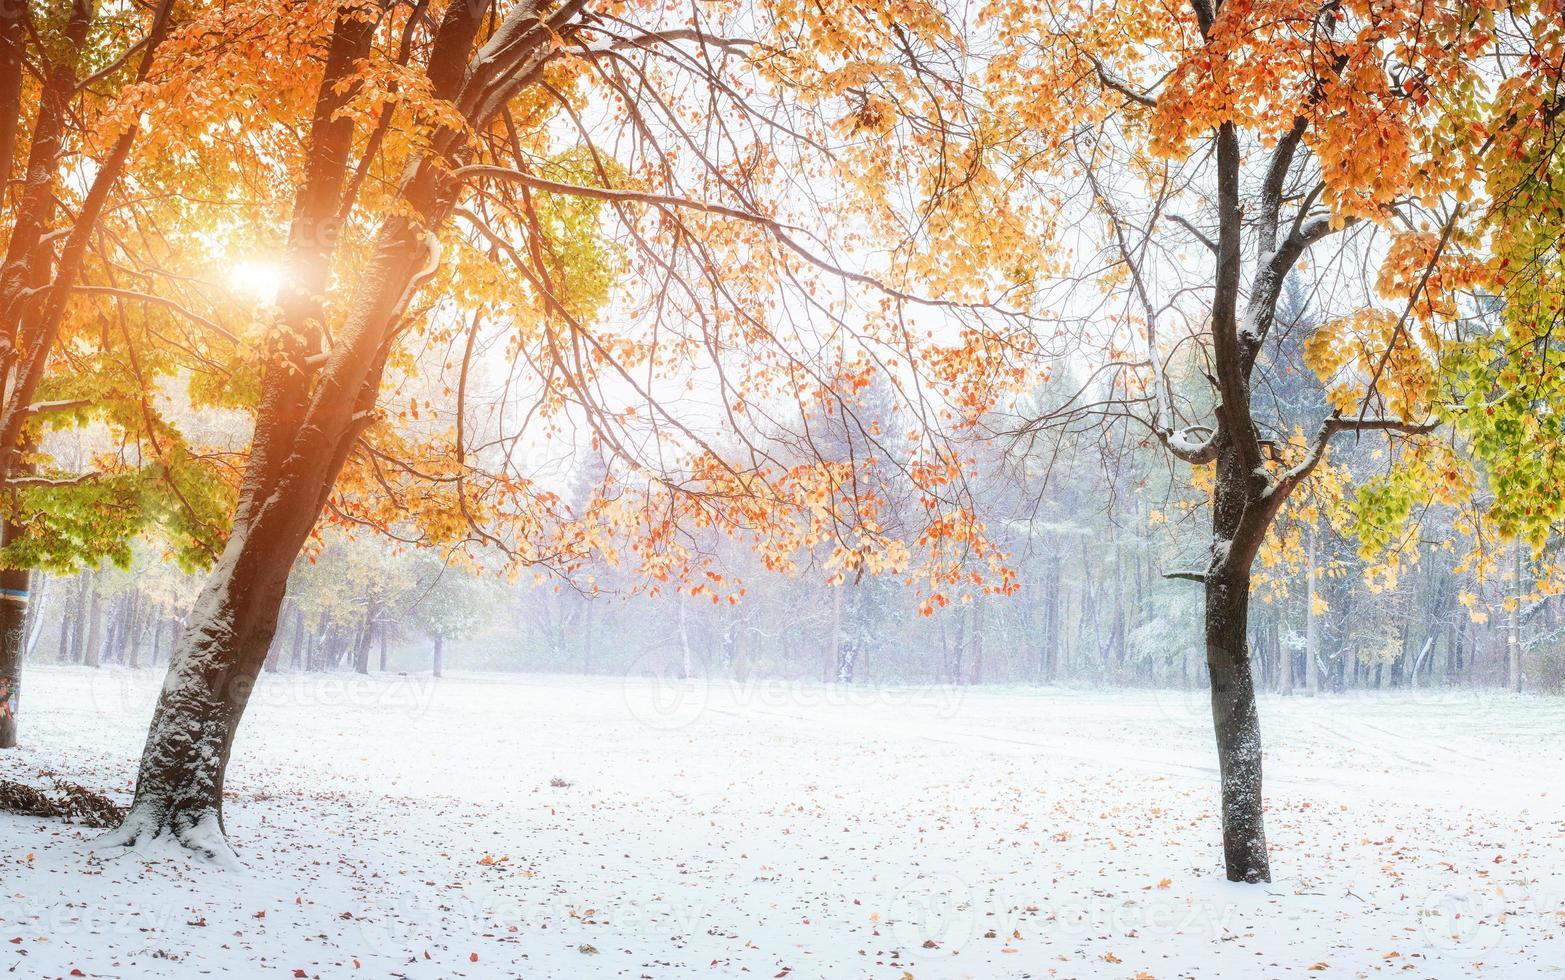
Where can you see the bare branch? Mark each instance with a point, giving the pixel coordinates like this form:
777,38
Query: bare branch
1200,236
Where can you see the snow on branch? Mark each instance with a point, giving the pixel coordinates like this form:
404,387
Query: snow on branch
1330,427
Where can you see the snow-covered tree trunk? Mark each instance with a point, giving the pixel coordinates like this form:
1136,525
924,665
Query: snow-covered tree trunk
1234,717
318,395
14,584
847,659
1237,726
1284,661
179,786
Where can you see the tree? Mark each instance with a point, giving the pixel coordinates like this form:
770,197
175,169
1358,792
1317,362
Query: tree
73,80
456,111
35,280
1221,147
450,606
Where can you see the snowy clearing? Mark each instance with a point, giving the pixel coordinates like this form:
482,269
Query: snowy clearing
403,826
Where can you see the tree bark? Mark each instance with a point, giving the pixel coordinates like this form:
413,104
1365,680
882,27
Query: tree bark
92,649
296,661
14,584
1513,631
1048,655
1238,526
1237,725
179,787
361,644
135,628
13,26
311,414
78,652
1311,623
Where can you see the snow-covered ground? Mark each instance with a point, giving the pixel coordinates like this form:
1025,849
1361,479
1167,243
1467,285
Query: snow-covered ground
500,825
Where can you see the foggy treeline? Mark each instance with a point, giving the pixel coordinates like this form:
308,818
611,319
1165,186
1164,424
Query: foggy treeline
1093,527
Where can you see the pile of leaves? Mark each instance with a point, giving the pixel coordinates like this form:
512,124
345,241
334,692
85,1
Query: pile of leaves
69,801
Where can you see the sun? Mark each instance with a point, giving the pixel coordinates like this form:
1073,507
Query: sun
259,280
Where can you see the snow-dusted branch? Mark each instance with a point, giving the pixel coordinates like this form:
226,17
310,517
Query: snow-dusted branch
1330,427
1194,444
63,405
23,482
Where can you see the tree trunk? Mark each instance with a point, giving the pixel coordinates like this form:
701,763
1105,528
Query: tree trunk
274,652
295,661
92,649
440,656
79,620
1513,632
1049,655
64,652
380,638
687,668
1284,657
13,638
179,787
1311,624
134,630
310,417
977,676
833,658
361,645
109,647
954,669
1237,726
